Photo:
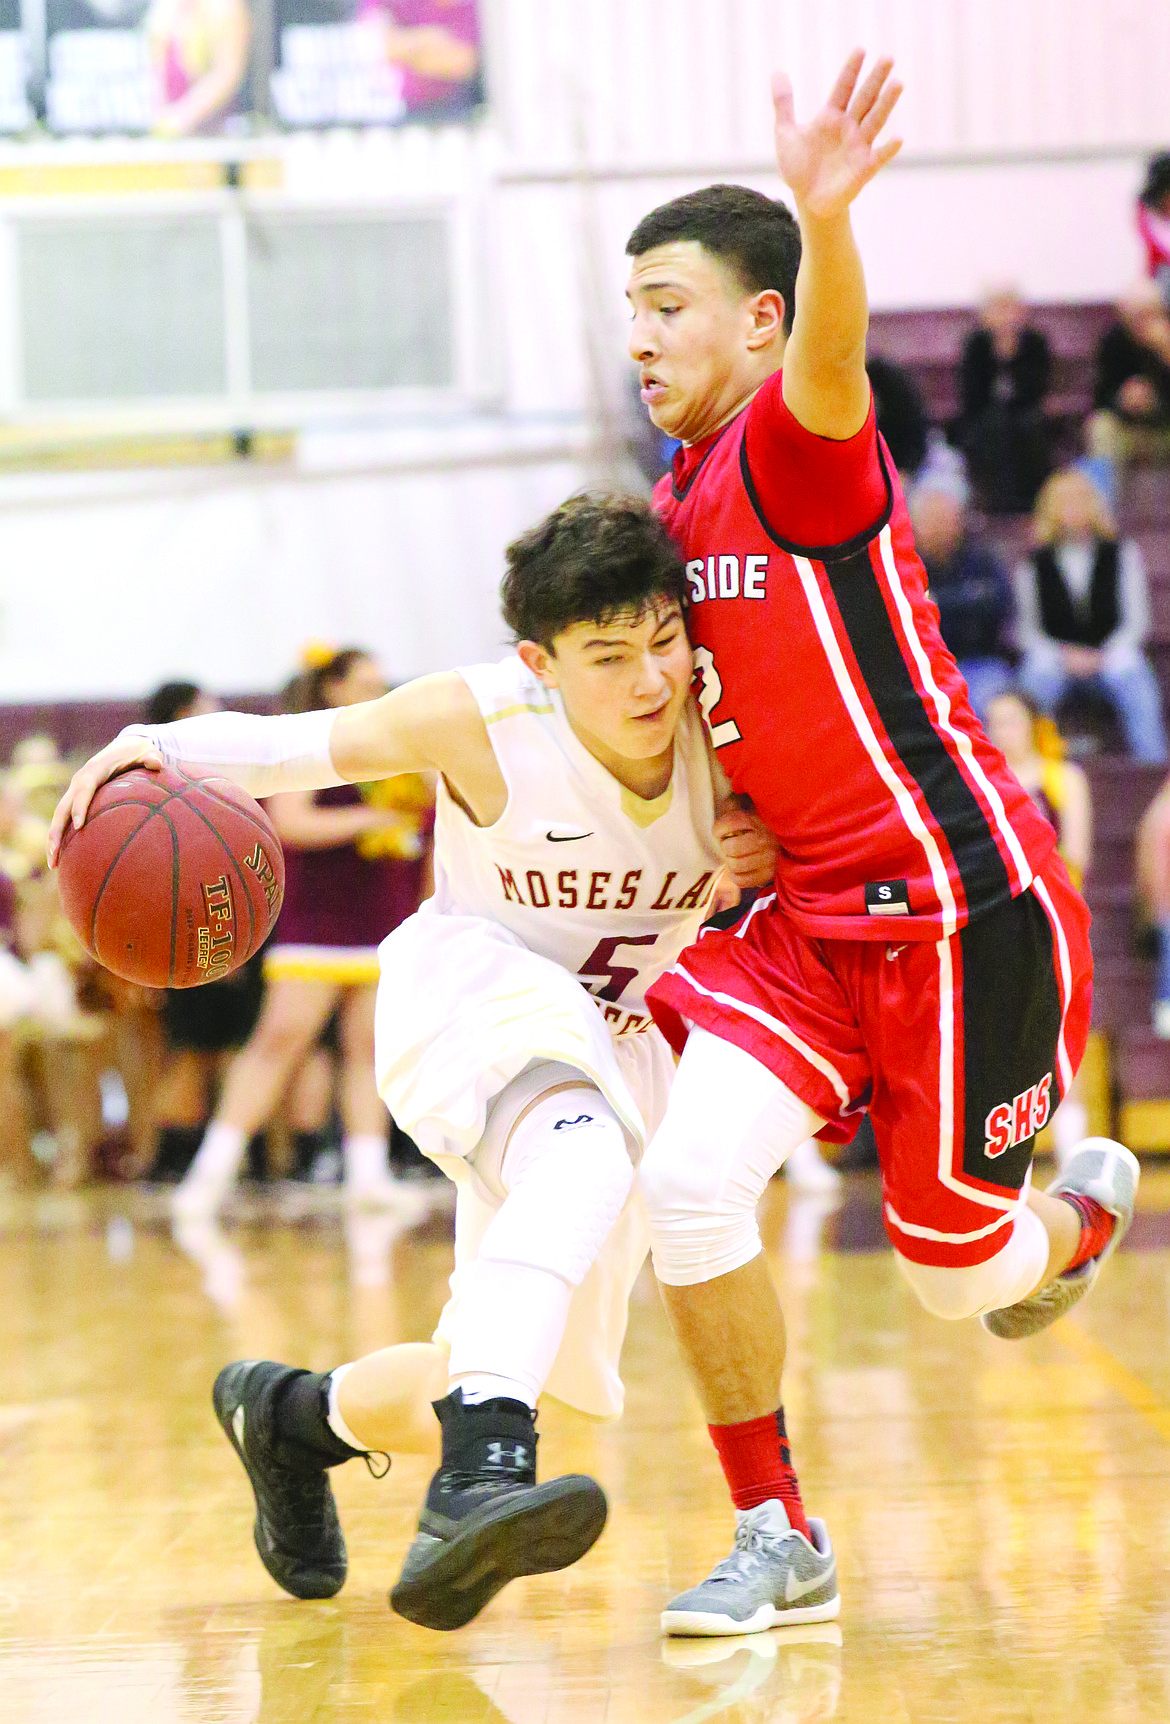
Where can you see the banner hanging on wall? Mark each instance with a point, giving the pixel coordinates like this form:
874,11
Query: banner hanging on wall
375,62
172,68
190,68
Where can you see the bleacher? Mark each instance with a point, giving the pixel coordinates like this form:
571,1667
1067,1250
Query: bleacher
1121,792
928,344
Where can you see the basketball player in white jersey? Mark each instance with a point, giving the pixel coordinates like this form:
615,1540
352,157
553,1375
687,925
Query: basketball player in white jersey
575,857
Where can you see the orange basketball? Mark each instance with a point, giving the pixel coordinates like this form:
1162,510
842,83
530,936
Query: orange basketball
173,880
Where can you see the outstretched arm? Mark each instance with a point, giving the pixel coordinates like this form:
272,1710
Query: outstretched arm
432,725
826,162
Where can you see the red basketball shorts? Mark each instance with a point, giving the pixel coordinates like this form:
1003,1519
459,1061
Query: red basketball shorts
960,1049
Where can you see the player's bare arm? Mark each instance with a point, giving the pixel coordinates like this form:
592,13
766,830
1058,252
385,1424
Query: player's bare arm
431,725
826,162
436,725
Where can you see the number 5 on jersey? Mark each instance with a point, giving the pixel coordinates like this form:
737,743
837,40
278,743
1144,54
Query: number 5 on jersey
599,966
710,693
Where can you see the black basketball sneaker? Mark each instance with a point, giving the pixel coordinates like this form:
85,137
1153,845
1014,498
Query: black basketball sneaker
297,1532
486,1521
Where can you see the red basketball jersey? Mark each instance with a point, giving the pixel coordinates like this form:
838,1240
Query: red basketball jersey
830,696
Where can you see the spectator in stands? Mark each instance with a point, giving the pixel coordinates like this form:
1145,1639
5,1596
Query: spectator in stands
49,1061
1031,744
22,833
355,864
13,1112
37,777
1153,220
901,414
1131,397
1000,427
1153,894
1032,747
1083,611
202,1025
968,583
39,936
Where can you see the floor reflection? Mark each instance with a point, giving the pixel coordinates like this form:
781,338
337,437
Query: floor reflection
1001,1514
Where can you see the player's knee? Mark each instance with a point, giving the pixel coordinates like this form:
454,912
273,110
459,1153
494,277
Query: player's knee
950,1293
568,1176
1015,1270
700,1225
594,1164
677,1181
696,1232
703,1248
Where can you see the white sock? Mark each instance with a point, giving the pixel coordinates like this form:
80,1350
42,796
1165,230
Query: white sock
478,1387
333,1416
218,1159
511,1321
366,1159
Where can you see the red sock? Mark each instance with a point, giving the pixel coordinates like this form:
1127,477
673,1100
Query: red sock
1096,1228
757,1465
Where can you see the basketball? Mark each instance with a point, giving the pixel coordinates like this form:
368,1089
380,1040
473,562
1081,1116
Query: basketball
172,881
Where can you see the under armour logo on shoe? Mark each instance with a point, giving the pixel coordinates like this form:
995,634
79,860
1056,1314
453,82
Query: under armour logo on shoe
517,1456
568,1124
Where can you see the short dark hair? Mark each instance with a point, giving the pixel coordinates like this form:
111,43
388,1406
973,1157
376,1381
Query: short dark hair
598,557
757,237
173,700
1157,180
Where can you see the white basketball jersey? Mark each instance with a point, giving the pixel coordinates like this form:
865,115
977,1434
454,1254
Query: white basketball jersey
602,882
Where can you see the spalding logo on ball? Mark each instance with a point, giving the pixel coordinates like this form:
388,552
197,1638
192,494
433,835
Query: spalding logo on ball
173,880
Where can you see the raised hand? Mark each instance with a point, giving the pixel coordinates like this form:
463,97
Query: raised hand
828,160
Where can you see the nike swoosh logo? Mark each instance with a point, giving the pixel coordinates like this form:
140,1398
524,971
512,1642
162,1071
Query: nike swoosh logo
794,1589
566,837
238,1424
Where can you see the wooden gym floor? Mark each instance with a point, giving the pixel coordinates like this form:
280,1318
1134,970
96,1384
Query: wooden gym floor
1001,1512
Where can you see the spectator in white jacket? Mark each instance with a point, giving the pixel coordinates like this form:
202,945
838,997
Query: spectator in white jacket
1083,611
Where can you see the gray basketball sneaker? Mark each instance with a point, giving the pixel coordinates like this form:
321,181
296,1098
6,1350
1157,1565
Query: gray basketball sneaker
772,1577
1100,1169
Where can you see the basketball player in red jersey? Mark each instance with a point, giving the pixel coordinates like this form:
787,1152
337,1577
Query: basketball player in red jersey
923,954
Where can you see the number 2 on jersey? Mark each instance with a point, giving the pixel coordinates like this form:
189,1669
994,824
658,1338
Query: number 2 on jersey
710,694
